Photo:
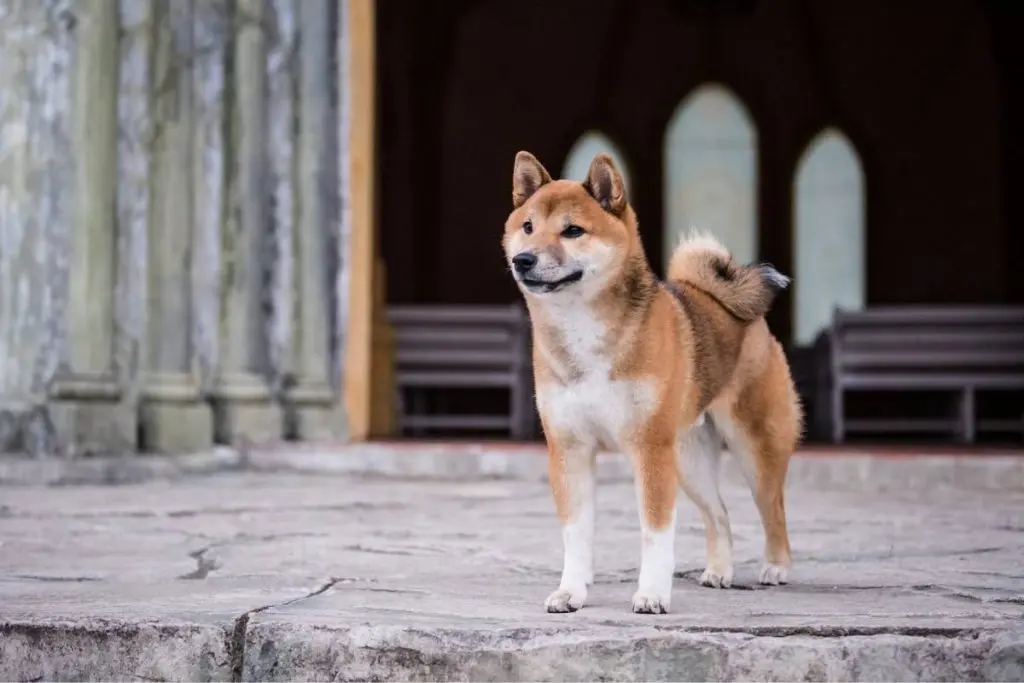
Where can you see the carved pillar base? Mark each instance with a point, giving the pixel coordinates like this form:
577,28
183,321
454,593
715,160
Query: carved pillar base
173,417
314,413
181,428
253,422
244,410
26,427
93,427
91,415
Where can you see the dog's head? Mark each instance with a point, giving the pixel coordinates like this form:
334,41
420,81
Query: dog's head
567,236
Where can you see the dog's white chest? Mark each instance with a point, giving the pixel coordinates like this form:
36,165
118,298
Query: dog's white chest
598,409
590,405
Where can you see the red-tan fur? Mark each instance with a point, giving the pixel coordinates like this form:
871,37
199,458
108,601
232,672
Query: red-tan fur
661,371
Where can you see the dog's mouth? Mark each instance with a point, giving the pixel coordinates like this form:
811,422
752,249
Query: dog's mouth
535,285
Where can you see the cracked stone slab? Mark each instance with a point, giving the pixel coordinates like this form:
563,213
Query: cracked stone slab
293,577
101,586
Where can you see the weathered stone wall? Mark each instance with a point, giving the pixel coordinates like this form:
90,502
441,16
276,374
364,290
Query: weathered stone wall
171,203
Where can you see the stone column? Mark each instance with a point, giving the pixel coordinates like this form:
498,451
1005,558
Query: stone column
174,416
244,404
35,214
282,66
313,395
89,412
211,29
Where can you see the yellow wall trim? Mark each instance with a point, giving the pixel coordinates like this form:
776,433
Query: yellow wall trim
362,68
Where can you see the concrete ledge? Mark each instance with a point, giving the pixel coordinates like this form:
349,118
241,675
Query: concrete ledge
281,652
112,650
861,470
291,576
838,470
95,650
18,471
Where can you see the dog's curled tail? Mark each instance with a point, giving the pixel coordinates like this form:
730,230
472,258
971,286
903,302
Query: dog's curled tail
747,292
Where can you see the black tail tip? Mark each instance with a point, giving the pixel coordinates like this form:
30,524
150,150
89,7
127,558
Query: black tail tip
775,280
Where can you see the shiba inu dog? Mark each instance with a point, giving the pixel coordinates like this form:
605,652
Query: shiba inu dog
664,372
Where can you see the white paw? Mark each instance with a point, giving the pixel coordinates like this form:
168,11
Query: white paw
773,575
646,603
713,579
564,600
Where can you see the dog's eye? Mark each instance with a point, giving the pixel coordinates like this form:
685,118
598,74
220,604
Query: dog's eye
573,231
528,227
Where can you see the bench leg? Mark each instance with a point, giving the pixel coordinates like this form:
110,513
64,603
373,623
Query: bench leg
419,407
967,416
523,422
524,419
400,412
821,401
517,422
838,432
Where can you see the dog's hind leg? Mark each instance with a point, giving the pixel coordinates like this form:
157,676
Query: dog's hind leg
699,456
767,485
760,433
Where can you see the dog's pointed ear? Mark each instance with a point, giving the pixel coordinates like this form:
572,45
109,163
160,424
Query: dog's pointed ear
528,176
604,183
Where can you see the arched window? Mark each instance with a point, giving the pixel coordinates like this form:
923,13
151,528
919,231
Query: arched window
711,171
829,233
577,162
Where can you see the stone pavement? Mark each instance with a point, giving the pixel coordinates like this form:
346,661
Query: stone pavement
290,576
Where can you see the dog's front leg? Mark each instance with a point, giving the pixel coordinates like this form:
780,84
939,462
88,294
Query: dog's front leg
571,473
656,484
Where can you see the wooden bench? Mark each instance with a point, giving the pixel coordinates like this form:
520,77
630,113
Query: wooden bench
961,349
467,347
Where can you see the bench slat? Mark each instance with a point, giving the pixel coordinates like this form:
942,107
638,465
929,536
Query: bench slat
441,379
960,338
908,316
896,424
458,421
456,358
952,359
454,315
1001,424
908,381
425,336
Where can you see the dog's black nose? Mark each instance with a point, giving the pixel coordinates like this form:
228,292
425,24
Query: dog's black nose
524,261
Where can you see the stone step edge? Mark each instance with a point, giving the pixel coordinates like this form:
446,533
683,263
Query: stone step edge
118,650
831,470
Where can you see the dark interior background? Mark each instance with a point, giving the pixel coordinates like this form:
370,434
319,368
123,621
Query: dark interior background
927,90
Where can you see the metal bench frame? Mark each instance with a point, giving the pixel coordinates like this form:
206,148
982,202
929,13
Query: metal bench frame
962,349
463,346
